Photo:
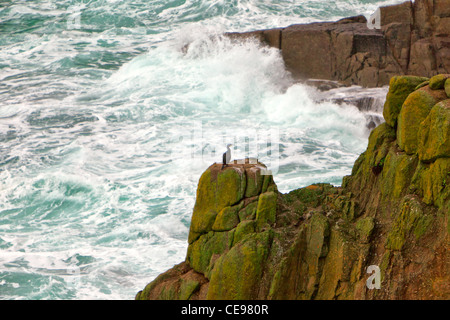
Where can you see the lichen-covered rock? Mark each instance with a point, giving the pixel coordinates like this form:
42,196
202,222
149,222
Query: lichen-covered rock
255,181
407,221
237,273
423,84
178,283
438,81
317,242
431,182
372,160
201,253
216,190
317,233
338,264
415,109
299,272
365,227
249,211
227,219
379,142
220,188
447,87
399,89
434,133
246,227
398,170
266,209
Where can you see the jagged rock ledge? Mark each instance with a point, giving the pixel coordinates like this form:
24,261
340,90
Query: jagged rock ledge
414,39
248,241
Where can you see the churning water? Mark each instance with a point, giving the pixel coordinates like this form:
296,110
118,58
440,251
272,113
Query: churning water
111,110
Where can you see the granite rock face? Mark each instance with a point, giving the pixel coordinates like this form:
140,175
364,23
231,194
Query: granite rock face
230,236
392,214
414,38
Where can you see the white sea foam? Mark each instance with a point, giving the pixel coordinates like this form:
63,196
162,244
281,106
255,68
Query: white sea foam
107,128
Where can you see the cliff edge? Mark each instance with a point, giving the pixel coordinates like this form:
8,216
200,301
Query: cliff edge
391,216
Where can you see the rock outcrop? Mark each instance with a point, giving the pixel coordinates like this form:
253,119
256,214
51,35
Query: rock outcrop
392,214
414,38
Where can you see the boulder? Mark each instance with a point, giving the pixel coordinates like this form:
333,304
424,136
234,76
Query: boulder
438,81
415,109
447,87
219,193
216,190
399,89
434,133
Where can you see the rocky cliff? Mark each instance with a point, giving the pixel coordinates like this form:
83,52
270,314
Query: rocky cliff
413,38
391,216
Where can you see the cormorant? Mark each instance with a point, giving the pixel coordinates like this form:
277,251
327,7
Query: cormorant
226,156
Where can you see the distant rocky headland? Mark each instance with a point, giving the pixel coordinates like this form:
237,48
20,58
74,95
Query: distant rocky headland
414,38
382,234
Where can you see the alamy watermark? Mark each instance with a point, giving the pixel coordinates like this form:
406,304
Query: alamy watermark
74,17
73,277
374,21
374,281
249,145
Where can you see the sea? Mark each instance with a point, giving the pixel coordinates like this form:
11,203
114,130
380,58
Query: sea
110,110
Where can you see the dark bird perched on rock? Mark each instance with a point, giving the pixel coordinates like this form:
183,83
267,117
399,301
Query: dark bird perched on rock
226,156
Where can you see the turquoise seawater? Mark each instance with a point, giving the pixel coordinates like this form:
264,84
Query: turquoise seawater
110,111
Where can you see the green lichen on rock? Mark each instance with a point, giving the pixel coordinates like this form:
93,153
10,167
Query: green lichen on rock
310,196
365,227
237,273
407,220
216,190
380,140
268,182
187,288
243,229
415,109
178,283
385,263
316,242
299,271
399,89
248,212
398,170
438,81
180,290
255,181
291,277
226,219
431,182
447,87
266,209
317,232
423,84
317,238
201,253
434,133
338,265
347,207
